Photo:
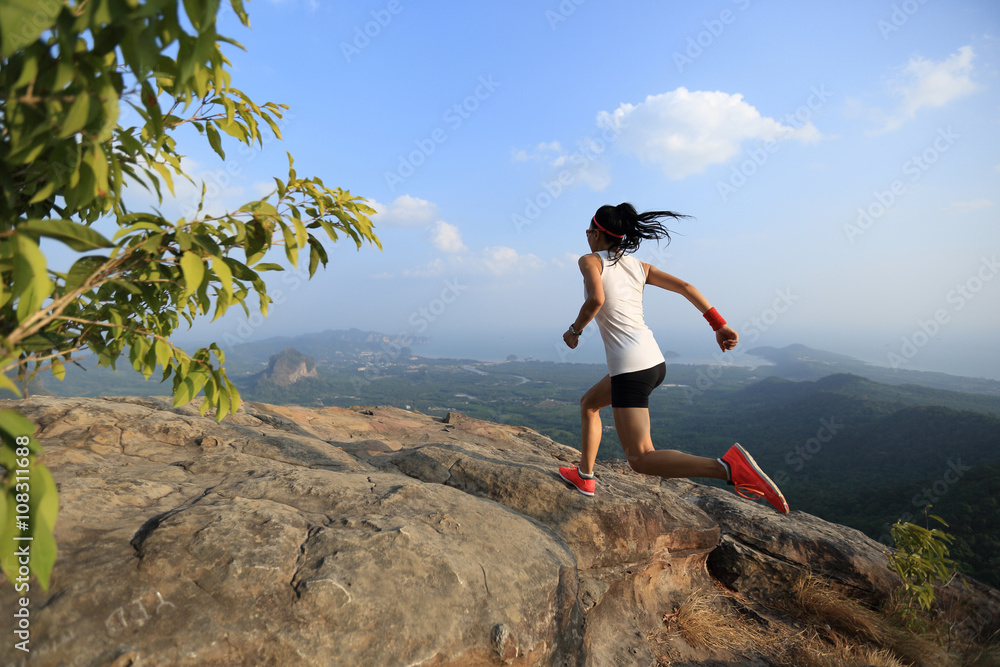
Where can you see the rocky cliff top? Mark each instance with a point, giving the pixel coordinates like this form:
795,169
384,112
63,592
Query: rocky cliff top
376,536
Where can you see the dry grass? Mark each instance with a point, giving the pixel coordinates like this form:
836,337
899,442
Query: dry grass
707,621
844,622
836,651
815,626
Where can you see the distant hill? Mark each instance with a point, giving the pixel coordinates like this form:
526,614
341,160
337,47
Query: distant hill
894,396
798,362
288,367
329,346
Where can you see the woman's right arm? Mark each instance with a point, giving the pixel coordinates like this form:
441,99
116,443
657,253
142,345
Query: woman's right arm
590,267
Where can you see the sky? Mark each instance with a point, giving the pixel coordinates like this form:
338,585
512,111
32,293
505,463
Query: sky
840,161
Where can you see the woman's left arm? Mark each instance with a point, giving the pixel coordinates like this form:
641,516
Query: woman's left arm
725,336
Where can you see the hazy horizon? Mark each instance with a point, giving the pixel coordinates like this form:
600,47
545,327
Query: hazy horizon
693,349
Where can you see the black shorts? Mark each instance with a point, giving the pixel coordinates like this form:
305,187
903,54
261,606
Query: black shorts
632,390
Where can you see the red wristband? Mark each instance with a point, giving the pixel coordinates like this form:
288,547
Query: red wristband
715,319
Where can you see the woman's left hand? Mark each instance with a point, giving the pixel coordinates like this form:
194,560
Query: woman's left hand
727,337
571,339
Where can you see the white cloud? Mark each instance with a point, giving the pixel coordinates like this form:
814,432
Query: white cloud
435,267
566,261
966,206
447,238
500,260
543,151
404,211
925,83
569,169
263,189
685,132
494,260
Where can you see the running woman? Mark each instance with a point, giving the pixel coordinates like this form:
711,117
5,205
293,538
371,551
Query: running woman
614,283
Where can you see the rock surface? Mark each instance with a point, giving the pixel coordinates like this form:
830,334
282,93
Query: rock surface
288,535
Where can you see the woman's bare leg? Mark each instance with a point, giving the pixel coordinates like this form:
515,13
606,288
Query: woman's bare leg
597,397
633,429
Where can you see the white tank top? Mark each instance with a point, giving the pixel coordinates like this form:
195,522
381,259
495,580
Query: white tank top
628,342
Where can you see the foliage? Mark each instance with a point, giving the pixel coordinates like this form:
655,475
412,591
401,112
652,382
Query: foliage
66,69
921,560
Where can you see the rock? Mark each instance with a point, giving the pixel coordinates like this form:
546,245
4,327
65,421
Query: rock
378,536
288,367
255,542
761,548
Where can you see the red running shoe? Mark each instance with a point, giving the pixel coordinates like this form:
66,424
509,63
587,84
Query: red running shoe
750,481
571,475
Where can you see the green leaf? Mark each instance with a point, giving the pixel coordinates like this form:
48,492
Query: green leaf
76,236
240,12
76,118
29,70
215,140
23,21
81,270
224,274
189,386
233,129
44,508
30,280
44,192
193,268
14,425
163,352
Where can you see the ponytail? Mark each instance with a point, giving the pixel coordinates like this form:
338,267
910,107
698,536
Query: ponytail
627,228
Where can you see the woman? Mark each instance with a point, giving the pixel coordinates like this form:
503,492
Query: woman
614,283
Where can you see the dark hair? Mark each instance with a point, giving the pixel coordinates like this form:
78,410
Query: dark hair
633,226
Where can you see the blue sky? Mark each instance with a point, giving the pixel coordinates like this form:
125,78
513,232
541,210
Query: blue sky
840,160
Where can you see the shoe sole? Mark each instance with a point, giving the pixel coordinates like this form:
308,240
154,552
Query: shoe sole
774,487
586,493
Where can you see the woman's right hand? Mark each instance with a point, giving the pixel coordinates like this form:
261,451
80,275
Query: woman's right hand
571,339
